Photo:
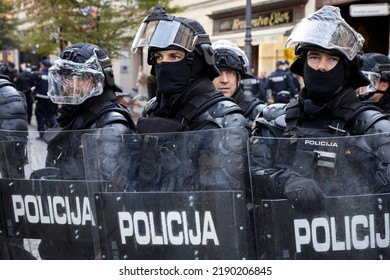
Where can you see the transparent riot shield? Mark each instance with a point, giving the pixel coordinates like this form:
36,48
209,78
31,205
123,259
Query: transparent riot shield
46,213
184,196
353,220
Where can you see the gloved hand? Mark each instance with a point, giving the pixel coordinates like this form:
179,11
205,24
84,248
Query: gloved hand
304,194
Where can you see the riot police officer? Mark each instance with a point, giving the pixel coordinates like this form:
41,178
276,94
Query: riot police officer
184,66
182,60
82,81
327,49
230,61
13,157
376,67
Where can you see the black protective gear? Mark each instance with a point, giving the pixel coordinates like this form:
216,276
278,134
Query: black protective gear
251,105
189,35
377,63
226,59
199,107
315,80
13,156
349,117
168,82
304,194
354,75
101,115
13,120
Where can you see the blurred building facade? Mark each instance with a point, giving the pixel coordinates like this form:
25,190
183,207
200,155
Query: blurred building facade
271,22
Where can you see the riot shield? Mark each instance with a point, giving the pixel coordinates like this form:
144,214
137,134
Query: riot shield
185,196
352,172
47,214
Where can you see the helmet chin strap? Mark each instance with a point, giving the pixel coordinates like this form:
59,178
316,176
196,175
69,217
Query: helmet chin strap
190,60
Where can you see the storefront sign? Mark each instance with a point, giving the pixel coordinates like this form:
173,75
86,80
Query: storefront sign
369,10
270,19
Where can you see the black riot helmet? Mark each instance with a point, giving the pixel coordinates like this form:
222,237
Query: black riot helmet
376,67
81,64
160,31
230,57
376,63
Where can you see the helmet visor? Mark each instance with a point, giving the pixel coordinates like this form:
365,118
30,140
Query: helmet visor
72,83
163,33
374,78
327,29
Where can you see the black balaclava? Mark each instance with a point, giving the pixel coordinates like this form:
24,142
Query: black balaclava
322,86
174,77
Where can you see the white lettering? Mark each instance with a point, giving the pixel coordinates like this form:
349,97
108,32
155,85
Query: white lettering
304,239
316,226
52,210
173,228
141,221
357,232
320,143
125,218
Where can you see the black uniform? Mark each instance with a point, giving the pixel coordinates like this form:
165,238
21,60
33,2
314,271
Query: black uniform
251,105
282,86
99,114
25,82
13,157
297,123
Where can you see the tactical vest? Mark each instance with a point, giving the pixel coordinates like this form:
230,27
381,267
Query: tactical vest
188,117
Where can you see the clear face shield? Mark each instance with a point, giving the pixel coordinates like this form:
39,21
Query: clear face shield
366,91
327,29
72,83
163,33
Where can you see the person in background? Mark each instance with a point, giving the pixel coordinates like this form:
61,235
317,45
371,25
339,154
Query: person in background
280,83
25,83
253,85
81,80
13,72
376,67
141,82
263,79
230,61
294,77
45,109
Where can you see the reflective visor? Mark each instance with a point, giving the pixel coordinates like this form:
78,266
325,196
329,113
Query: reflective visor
163,33
374,78
327,29
72,83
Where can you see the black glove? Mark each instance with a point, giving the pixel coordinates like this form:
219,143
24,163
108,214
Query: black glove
304,194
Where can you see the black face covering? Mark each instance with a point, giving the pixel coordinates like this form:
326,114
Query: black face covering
173,77
321,86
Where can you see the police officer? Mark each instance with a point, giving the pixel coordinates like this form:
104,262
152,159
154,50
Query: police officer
45,109
327,49
182,60
231,63
82,81
184,66
280,83
13,135
25,83
376,67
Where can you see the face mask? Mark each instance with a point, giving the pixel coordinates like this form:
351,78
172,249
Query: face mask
321,86
172,77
